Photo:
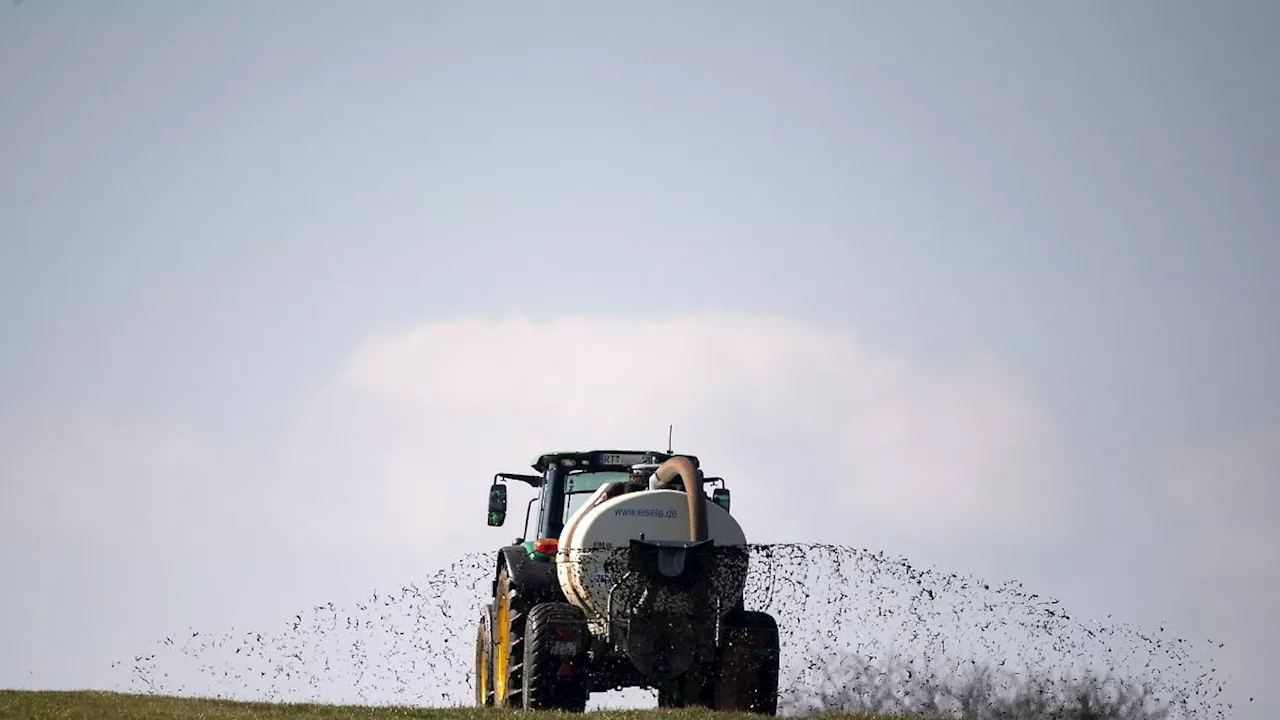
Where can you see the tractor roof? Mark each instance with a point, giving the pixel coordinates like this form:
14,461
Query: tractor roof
604,460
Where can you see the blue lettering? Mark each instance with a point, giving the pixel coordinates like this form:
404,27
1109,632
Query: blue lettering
646,512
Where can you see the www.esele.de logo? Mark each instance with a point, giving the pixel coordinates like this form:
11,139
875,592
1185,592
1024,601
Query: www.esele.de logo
646,512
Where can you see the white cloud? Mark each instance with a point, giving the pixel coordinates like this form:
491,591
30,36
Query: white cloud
876,441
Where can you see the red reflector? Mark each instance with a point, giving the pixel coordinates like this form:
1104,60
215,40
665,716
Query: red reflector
566,670
546,546
566,632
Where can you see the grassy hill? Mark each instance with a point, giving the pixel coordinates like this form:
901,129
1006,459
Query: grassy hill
86,705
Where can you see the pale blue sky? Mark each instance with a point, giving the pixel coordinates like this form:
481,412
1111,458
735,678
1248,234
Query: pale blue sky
206,208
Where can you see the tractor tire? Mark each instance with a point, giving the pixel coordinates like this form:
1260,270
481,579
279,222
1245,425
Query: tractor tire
510,614
484,658
555,659
747,677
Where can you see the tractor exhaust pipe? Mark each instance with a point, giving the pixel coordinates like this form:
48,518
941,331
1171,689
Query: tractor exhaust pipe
677,468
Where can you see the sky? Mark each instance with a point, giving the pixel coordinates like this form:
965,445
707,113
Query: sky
282,285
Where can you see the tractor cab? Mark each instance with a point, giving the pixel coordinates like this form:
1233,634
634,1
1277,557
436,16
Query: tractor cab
567,480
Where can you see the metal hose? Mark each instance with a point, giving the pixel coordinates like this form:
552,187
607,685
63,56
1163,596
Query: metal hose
681,467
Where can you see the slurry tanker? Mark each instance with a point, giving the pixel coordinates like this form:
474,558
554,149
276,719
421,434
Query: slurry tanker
633,577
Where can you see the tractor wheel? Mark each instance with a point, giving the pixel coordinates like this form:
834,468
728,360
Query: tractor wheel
484,659
509,615
555,658
748,674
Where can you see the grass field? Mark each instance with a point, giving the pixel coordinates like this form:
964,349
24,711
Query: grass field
86,705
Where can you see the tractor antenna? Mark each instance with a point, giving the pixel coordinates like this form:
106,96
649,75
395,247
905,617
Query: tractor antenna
670,429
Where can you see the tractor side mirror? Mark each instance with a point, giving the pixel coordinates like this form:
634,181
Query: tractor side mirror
497,505
720,496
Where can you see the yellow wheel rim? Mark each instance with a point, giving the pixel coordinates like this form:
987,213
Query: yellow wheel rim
500,653
482,673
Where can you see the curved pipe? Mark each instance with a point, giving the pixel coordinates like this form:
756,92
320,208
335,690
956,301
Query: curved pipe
681,468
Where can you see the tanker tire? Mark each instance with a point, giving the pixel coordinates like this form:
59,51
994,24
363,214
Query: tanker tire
693,689
508,597
671,695
747,680
544,688
484,658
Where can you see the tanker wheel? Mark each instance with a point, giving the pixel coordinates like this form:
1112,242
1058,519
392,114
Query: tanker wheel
747,680
693,689
508,644
484,659
555,661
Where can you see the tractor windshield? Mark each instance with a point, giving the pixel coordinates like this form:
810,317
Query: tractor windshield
581,486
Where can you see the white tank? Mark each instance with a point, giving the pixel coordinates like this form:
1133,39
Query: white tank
604,524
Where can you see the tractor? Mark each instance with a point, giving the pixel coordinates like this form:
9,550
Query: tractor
633,577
